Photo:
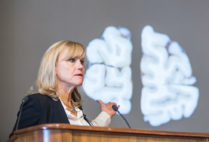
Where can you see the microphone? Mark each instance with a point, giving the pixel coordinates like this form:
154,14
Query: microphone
84,116
87,120
24,100
115,108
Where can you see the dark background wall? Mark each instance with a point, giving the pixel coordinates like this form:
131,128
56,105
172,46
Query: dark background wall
29,27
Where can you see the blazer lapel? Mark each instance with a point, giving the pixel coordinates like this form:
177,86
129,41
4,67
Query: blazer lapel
61,113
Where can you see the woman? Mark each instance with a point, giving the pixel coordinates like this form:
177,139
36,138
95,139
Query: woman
58,101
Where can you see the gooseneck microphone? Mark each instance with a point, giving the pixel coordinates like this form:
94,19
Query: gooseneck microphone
84,116
24,100
87,120
115,108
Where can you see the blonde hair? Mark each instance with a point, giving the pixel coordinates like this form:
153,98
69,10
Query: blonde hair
46,80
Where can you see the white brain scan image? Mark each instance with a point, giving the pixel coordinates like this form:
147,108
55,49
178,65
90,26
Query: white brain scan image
168,91
108,76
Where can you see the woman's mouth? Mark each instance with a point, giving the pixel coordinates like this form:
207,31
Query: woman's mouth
78,74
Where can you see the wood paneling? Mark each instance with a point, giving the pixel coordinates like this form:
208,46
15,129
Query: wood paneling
72,133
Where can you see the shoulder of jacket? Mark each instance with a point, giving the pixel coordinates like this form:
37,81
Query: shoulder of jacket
39,97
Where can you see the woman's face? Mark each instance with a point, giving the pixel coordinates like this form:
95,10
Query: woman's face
70,71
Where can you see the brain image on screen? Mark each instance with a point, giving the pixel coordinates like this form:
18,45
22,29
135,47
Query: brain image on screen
108,76
168,91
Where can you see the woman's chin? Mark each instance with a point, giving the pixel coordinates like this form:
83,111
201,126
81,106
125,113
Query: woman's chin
79,83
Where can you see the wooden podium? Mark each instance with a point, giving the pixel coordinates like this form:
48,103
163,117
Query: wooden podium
72,133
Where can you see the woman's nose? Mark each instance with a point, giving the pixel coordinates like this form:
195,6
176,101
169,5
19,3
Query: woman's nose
80,65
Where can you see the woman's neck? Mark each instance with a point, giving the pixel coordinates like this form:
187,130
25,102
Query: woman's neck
65,95
64,92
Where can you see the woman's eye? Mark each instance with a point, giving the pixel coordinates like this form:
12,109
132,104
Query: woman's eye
72,60
82,62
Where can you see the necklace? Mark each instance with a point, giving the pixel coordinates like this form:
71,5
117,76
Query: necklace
71,108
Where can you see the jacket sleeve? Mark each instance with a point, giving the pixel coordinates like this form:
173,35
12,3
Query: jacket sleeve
30,114
103,119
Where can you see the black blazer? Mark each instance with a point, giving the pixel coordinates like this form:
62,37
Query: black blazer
39,109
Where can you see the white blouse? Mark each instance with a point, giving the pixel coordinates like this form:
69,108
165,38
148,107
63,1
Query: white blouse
103,119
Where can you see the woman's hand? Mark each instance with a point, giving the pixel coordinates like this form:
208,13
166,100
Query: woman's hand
108,107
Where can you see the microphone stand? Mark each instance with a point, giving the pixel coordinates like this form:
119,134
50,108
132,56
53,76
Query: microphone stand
115,108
